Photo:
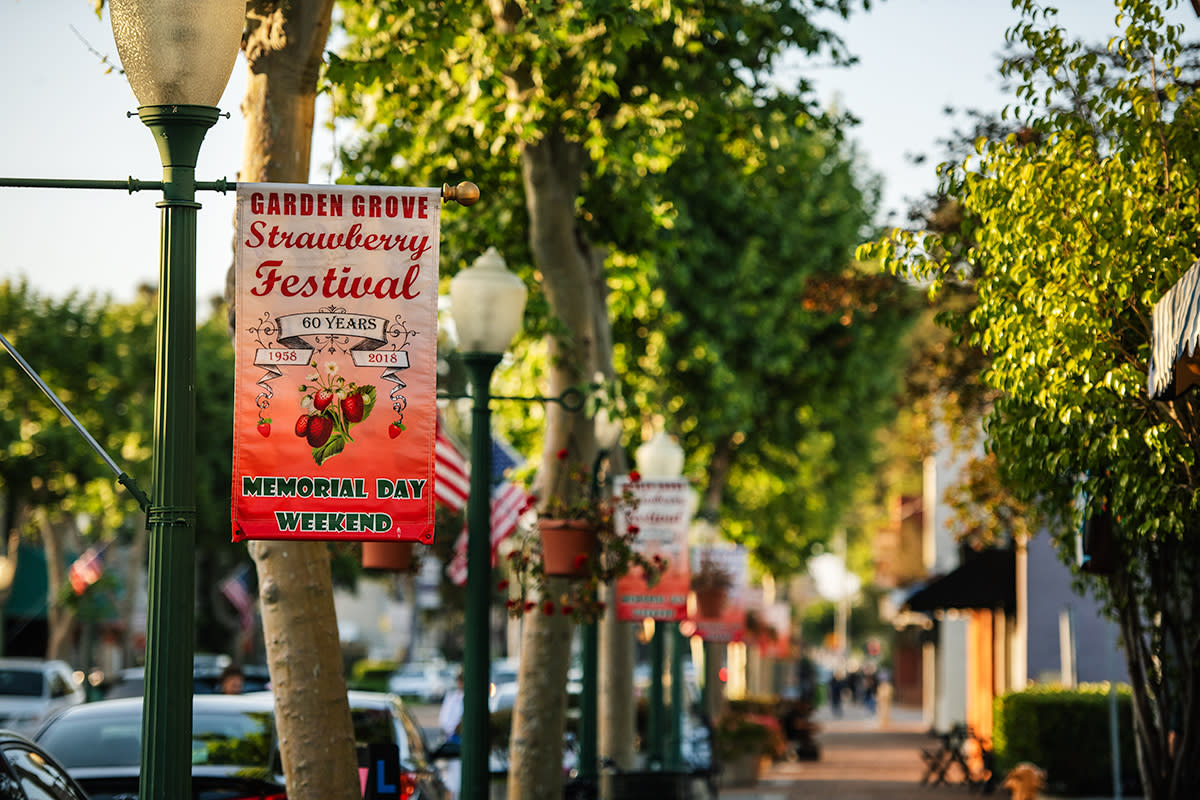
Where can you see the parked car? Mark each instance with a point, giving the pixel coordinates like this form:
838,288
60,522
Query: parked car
234,746
131,682
31,689
424,683
27,772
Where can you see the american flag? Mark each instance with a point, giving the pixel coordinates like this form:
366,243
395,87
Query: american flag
451,474
509,502
236,589
86,569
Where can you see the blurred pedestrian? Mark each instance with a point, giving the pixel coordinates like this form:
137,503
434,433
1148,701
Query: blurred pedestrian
232,680
835,694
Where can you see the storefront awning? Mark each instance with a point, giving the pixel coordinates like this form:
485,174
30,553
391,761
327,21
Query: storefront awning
984,580
1174,360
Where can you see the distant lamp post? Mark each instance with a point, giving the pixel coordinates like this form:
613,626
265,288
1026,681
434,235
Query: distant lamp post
487,302
661,458
608,435
177,55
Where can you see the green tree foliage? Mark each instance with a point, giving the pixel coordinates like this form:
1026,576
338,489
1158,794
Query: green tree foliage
1072,229
751,326
98,358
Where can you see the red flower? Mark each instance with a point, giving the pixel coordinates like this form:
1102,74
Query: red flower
529,605
634,476
511,604
634,530
548,608
580,561
566,609
502,585
562,454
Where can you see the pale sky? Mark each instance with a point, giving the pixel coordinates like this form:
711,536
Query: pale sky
65,117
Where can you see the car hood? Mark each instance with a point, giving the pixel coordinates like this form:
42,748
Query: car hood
108,782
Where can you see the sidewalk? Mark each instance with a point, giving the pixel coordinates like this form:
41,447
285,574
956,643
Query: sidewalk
861,761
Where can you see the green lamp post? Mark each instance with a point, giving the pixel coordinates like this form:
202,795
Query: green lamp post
487,302
177,55
661,457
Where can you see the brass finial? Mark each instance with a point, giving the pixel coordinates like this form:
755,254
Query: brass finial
465,193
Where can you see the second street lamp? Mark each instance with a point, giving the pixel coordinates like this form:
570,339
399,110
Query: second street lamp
487,302
178,56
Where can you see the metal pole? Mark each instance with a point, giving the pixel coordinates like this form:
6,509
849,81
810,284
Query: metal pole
590,653
675,742
476,777
170,621
657,746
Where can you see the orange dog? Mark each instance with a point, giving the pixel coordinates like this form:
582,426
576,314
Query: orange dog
1024,780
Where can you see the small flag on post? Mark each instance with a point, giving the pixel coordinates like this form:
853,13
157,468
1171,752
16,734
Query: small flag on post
236,589
86,569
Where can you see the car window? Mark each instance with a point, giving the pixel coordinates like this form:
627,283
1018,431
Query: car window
243,739
240,739
20,683
40,779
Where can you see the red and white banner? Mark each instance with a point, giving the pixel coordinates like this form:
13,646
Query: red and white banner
663,515
335,362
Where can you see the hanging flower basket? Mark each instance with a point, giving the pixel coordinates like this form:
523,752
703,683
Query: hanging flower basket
568,547
711,602
395,556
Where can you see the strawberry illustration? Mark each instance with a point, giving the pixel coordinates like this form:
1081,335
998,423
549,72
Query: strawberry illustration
302,426
352,407
319,428
264,427
322,399
395,429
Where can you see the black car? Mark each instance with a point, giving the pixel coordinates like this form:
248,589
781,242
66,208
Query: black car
234,747
27,772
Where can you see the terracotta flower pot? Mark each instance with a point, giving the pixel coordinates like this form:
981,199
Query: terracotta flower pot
568,545
710,602
396,556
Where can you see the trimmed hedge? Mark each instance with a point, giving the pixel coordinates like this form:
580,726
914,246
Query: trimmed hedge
1066,733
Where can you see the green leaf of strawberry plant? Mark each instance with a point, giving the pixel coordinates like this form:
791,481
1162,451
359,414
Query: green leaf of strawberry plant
335,445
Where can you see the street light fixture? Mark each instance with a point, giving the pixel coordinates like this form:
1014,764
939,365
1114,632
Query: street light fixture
178,56
487,302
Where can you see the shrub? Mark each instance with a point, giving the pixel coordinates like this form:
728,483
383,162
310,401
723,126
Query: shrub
1066,733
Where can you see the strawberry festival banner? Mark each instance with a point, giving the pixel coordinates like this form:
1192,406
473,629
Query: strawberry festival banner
335,362
663,515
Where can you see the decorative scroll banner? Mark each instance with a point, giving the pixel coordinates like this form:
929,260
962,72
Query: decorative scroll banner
663,515
335,362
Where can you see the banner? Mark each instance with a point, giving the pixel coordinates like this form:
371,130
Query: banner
729,622
663,515
335,362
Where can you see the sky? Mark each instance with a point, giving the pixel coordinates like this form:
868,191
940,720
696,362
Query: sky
65,117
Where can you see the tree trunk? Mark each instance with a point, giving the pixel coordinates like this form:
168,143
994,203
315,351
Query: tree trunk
552,171
316,737
617,726
284,43
61,622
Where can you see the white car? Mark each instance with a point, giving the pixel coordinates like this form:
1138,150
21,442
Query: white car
32,689
421,682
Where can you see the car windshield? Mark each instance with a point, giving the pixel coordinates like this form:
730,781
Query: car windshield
242,738
20,683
